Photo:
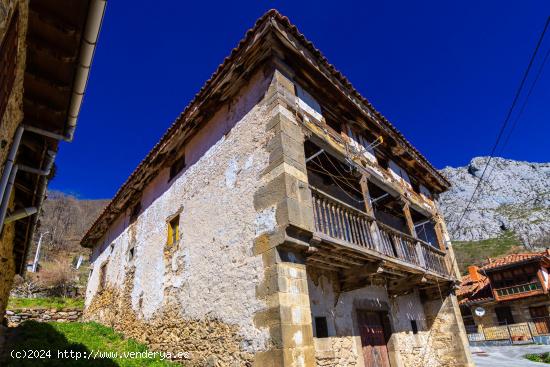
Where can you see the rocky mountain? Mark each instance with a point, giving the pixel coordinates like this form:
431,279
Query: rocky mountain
514,197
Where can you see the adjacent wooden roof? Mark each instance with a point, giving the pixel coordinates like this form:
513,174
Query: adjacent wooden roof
256,38
471,291
513,259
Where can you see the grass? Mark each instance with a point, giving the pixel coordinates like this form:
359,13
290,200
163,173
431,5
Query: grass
542,358
475,252
49,303
83,339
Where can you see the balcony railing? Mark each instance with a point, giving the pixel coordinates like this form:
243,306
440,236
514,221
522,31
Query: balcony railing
342,221
519,289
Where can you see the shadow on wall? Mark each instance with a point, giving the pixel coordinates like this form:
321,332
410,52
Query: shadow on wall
35,339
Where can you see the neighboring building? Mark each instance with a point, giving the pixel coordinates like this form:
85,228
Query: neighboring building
46,48
508,290
280,221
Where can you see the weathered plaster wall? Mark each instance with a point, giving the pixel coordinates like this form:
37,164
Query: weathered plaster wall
343,347
9,121
198,295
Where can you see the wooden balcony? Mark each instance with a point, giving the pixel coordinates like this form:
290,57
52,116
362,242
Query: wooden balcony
346,235
518,291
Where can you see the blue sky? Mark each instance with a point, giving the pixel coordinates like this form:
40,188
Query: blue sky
443,72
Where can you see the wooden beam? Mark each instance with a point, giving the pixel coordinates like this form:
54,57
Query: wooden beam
328,263
321,264
408,217
368,269
364,182
45,48
406,284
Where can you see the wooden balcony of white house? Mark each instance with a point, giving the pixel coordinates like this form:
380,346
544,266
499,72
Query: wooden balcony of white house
358,244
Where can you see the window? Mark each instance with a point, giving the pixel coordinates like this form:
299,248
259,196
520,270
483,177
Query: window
173,230
131,253
308,103
135,212
362,144
321,328
334,125
382,161
8,61
504,315
467,317
176,167
414,327
399,173
103,275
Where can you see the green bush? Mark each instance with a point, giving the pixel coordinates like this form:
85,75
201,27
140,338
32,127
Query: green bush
542,358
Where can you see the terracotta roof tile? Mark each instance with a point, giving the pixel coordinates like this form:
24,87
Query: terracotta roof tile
511,259
477,291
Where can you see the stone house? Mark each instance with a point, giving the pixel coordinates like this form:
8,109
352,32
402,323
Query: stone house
280,221
46,49
512,289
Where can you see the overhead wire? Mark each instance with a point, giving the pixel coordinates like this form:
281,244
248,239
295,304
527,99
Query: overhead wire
504,125
342,179
335,179
522,109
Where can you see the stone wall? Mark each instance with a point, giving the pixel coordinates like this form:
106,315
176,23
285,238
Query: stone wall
16,317
519,309
198,295
437,343
9,122
337,351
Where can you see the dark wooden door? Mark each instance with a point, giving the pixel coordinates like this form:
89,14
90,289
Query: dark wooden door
373,338
540,319
504,315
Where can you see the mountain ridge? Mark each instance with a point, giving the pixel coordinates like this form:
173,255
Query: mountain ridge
514,197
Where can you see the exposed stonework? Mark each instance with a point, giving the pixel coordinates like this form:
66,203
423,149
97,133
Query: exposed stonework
442,344
436,344
12,117
16,317
336,351
207,341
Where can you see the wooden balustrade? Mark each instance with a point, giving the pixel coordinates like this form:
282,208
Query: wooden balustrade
342,221
518,289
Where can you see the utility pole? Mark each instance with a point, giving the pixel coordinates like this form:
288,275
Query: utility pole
37,255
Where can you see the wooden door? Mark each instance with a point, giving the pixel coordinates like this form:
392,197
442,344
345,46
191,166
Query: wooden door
373,338
540,319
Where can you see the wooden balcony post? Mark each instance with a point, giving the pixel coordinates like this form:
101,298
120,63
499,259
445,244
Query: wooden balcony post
408,217
438,232
420,254
364,182
372,227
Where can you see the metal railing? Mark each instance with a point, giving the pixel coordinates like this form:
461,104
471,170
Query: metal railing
344,222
